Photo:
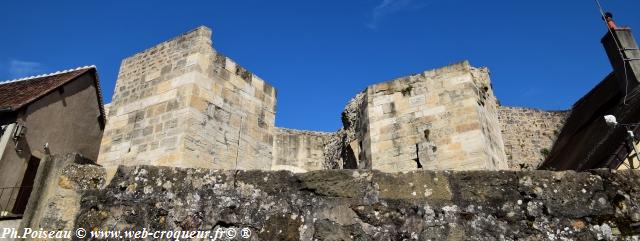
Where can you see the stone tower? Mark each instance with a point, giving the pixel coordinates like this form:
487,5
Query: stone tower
183,104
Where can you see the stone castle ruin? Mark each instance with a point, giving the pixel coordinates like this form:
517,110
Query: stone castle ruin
183,104
190,144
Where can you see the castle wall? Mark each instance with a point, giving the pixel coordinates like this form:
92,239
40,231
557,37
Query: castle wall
299,151
439,119
529,134
182,104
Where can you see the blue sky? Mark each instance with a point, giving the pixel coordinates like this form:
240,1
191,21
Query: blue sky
318,54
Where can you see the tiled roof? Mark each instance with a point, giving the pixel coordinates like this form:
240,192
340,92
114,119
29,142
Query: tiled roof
15,94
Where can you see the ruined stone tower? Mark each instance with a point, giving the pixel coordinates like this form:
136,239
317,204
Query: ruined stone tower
439,119
183,104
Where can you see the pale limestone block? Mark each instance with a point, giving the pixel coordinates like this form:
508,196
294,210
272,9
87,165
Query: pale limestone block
249,90
454,81
247,93
193,59
376,111
431,111
227,85
416,101
116,122
230,65
191,78
239,82
383,122
218,101
204,60
381,100
146,102
152,75
402,106
470,102
462,137
379,87
432,100
474,146
257,82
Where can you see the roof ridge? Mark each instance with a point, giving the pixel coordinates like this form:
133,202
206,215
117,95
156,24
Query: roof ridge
47,75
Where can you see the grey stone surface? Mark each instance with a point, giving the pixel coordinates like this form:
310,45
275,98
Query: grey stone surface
370,205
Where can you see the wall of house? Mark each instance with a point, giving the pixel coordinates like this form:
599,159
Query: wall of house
181,103
66,120
529,134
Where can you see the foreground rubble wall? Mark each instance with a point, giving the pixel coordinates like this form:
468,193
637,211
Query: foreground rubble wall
355,204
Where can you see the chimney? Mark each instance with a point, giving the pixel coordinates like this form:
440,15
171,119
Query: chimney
623,54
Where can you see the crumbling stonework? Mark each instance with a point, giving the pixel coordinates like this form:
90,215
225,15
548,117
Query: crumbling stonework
529,134
365,205
440,119
353,134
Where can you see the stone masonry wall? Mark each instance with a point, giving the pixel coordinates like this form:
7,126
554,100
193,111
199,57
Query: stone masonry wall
300,151
363,204
181,103
529,134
